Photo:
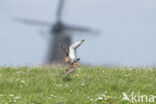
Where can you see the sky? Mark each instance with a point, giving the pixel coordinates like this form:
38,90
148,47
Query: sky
127,31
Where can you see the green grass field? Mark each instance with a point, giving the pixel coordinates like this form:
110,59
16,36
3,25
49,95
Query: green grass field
87,85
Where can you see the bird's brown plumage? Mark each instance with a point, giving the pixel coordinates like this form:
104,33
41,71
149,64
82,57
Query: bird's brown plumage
71,65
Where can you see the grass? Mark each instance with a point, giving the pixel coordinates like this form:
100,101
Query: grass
88,85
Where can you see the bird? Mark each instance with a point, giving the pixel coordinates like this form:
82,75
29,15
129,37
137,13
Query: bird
70,56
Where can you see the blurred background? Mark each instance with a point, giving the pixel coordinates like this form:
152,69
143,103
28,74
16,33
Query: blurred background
127,31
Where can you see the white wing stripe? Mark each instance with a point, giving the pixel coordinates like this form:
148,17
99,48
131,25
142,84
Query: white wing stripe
73,48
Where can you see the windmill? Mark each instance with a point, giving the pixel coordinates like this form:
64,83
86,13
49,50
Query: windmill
59,32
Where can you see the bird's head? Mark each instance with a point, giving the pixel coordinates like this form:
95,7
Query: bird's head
67,59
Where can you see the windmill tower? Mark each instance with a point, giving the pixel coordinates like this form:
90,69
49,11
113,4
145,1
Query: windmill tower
59,32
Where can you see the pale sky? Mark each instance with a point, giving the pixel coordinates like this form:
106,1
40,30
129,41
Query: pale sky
128,31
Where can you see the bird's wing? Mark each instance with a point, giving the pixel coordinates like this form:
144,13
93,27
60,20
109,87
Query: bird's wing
64,50
73,48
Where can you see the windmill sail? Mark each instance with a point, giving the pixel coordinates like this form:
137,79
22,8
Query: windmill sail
59,10
32,21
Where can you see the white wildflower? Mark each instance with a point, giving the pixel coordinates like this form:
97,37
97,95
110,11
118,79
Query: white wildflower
103,95
91,98
77,75
11,94
59,85
1,95
52,95
18,97
14,101
99,98
22,81
83,84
